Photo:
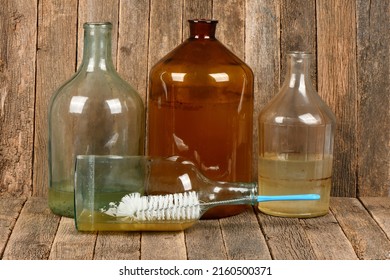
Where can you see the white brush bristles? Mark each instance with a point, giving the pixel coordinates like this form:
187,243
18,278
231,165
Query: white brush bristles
171,207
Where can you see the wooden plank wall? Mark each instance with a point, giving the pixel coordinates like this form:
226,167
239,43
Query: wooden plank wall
41,46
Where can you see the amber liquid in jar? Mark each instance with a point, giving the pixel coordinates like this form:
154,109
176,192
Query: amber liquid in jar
212,135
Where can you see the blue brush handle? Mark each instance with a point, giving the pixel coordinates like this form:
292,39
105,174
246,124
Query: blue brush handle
263,198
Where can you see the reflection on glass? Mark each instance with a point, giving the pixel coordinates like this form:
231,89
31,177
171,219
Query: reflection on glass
178,77
220,77
308,119
77,104
186,181
181,146
115,106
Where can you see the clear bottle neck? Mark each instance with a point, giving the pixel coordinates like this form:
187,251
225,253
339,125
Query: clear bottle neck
298,73
176,174
235,191
202,28
97,47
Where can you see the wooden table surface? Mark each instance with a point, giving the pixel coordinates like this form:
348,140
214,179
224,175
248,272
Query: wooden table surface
355,228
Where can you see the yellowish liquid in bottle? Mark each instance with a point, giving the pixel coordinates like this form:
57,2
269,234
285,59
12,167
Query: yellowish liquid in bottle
281,175
97,221
61,199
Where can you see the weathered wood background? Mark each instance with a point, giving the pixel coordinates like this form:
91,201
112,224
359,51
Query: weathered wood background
41,43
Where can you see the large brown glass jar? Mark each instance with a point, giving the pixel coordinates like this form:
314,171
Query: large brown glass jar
200,107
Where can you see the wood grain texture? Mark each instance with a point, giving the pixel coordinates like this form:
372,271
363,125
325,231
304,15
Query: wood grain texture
9,212
231,25
379,208
34,232
367,238
118,246
262,49
373,72
163,246
193,9
243,237
327,239
165,33
37,54
337,85
348,232
98,11
133,41
298,32
166,17
286,238
204,241
41,46
56,63
70,244
18,20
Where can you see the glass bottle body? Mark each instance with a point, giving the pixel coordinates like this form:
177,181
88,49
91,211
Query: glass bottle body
201,108
103,180
296,132
95,112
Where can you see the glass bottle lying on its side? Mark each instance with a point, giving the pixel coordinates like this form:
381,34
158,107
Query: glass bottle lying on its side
138,193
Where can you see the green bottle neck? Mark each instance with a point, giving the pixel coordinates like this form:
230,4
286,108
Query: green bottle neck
97,48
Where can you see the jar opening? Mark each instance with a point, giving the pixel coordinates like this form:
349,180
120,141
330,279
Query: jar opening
299,54
90,25
202,28
203,20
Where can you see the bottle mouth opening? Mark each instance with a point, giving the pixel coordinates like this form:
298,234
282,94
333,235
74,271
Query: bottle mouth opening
91,25
299,54
203,20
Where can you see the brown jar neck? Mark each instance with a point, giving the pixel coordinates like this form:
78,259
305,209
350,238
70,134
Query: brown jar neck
202,28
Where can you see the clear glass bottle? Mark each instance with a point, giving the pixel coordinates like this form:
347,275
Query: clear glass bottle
200,107
174,194
296,132
95,112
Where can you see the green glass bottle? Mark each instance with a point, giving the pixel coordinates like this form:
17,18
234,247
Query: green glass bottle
95,112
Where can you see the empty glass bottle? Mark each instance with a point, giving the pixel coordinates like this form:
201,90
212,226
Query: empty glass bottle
296,132
95,112
200,107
